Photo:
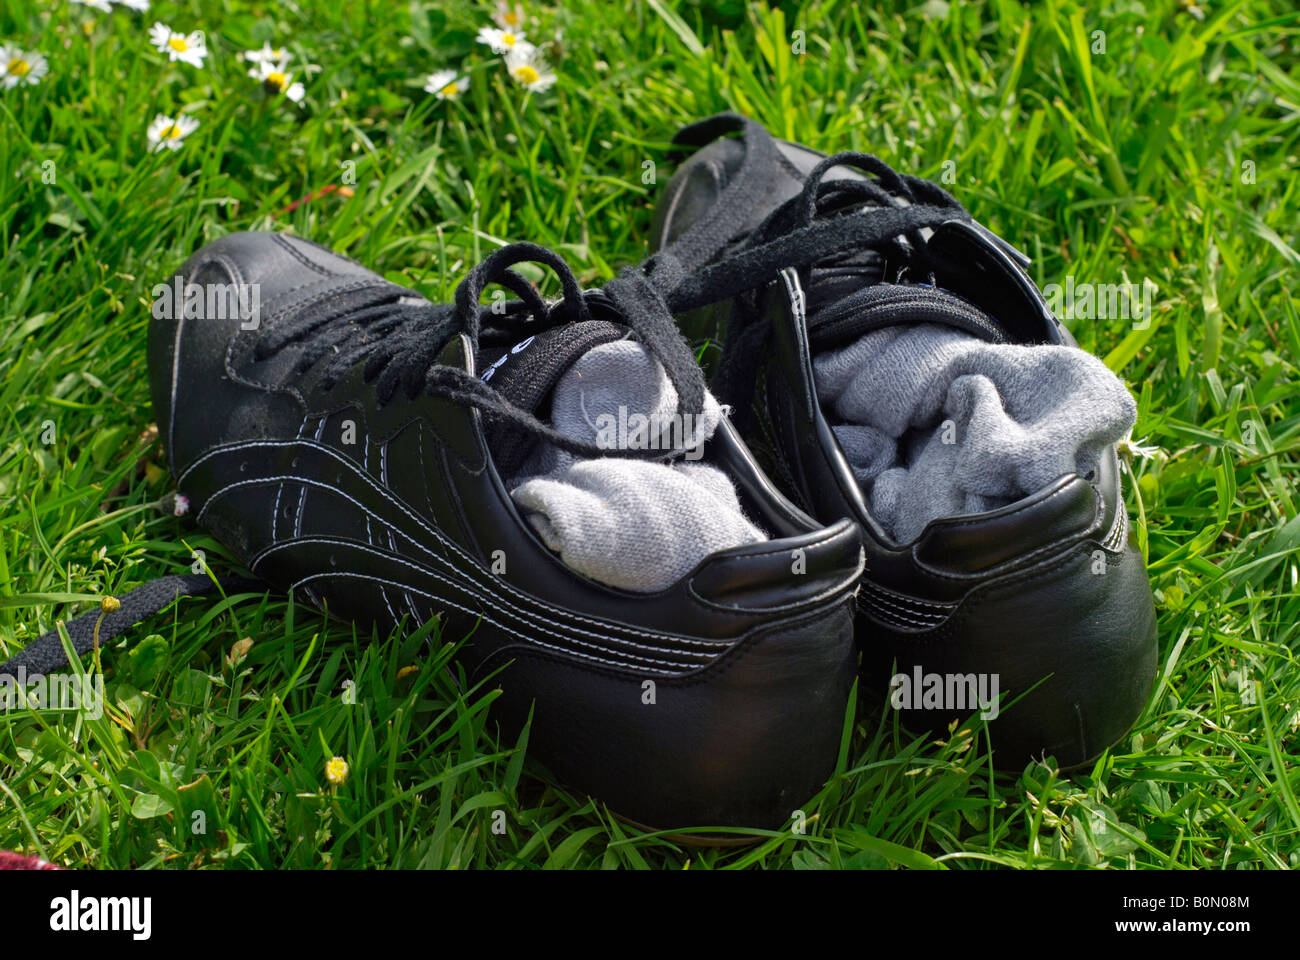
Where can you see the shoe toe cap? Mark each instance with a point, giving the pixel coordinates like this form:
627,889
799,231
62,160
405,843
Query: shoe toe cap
275,268
208,317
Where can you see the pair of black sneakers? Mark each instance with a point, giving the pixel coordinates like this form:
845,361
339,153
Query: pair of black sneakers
356,444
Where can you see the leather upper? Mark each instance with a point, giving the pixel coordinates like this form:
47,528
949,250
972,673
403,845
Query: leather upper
985,593
383,512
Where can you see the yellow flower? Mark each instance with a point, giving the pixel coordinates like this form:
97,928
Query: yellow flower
336,771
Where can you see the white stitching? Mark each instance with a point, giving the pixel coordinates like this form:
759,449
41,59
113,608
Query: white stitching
237,276
176,363
884,613
1118,530
901,614
424,466
944,608
392,546
438,535
370,538
875,596
275,517
500,626
521,613
302,505
302,494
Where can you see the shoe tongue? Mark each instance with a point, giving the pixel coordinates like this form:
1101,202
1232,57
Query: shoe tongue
830,283
881,305
526,374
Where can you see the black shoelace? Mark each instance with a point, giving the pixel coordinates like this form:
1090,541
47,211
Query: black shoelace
399,342
826,221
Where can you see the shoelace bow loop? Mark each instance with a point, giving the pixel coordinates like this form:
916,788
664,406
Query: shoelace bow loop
400,341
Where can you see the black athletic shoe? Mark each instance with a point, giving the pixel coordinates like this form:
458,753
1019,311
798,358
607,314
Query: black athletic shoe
792,253
342,441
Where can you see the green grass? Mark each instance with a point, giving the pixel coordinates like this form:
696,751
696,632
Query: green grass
1171,155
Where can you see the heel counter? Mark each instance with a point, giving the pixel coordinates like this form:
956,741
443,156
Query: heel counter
741,743
1072,640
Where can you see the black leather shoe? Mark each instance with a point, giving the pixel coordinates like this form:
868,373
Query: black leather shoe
780,253
340,441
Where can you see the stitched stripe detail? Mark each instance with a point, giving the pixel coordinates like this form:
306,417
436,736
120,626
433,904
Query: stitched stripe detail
370,537
176,367
275,517
898,609
302,494
302,504
297,254
432,531
392,546
1118,532
625,662
528,617
934,608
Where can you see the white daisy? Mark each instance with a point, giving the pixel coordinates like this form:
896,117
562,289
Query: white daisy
277,79
139,6
167,133
100,5
18,68
446,85
529,70
187,48
504,41
509,17
268,54
1129,449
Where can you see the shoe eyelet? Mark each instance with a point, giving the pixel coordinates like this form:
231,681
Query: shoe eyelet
293,464
243,467
333,561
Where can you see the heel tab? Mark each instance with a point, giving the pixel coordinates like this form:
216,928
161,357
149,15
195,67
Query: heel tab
966,546
784,574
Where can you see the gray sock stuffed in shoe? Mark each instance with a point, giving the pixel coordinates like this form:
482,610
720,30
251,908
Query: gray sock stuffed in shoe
937,423
629,523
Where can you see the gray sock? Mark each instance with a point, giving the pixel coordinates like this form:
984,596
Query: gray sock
937,423
629,523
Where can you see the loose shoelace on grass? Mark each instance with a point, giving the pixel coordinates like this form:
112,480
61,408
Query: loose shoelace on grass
399,342
46,654
825,221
